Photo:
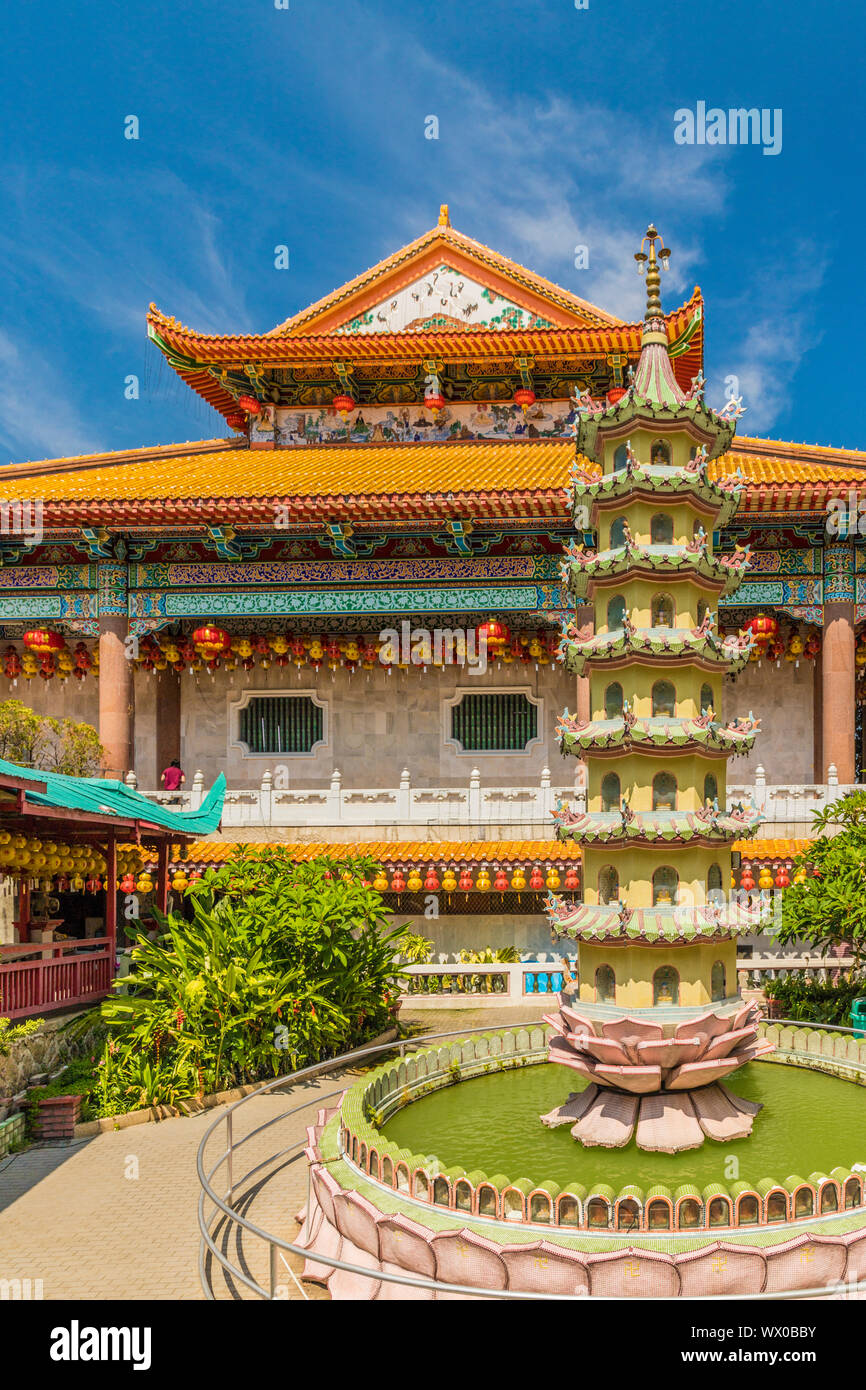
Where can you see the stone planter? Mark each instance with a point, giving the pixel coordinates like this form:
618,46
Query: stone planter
57,1117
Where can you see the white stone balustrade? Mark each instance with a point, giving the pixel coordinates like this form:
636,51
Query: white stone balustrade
787,807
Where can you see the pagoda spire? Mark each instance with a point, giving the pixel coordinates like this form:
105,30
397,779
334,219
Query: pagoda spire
654,376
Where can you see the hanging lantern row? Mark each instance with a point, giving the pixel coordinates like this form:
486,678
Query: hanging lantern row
210,647
771,645
763,876
517,878
47,654
55,865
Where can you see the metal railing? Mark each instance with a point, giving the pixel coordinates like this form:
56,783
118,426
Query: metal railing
229,1216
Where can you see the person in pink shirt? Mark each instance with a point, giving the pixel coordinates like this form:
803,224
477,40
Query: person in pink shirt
173,778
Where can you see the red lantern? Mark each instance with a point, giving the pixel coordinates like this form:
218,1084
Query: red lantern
783,878
494,633
344,404
43,641
500,882
46,667
762,628
83,659
93,885
250,405
812,647
524,398
236,420
572,879
747,882
11,663
464,883
431,882
398,882
127,883
435,401
209,641
536,880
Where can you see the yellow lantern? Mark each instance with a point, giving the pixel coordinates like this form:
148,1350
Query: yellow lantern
800,875
179,881
553,880
765,877
449,882
144,883
518,880
414,882
380,882
483,883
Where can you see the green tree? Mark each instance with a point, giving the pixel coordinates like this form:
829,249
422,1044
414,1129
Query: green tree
829,906
40,741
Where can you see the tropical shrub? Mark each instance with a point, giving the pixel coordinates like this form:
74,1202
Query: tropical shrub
814,1001
829,906
283,965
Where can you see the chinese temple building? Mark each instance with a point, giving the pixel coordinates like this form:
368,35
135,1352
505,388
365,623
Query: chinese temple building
350,602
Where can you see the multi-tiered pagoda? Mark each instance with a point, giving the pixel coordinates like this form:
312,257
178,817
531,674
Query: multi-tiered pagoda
656,1012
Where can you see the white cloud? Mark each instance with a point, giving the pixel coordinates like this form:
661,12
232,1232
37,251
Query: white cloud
48,426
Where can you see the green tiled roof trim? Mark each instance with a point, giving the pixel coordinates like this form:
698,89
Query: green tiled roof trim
612,922
726,571
661,481
730,653
656,731
606,827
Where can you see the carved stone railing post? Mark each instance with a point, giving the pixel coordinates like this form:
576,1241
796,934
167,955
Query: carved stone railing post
266,797
335,797
475,795
404,812
197,795
546,793
131,781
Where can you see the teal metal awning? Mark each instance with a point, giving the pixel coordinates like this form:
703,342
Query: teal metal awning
105,799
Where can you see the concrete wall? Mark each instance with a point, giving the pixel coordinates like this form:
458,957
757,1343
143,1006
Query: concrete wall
783,699
376,724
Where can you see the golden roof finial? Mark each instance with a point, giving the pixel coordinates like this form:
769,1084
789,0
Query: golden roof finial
653,278
444,219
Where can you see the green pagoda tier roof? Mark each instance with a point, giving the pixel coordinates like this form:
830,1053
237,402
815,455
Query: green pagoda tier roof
654,400
723,572
654,644
618,923
654,482
709,827
626,732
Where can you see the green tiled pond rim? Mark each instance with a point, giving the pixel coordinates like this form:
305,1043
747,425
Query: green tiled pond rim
372,1101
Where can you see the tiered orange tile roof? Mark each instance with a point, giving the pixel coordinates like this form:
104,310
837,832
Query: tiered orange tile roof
490,480
217,852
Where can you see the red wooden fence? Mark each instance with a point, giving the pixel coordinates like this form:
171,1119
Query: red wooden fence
75,974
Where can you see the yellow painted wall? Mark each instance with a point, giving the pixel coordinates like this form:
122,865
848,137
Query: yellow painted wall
635,866
639,515
637,770
684,593
634,967
637,683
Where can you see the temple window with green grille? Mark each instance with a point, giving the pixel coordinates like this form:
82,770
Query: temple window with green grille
281,724
494,723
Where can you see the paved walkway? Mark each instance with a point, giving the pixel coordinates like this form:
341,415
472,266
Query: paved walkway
116,1215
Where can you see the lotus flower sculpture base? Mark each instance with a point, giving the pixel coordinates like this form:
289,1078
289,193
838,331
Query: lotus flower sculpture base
666,1122
667,1091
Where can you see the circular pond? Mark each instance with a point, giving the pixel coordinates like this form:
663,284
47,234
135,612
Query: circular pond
810,1123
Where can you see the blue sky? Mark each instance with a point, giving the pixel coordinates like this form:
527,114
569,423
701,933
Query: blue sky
305,126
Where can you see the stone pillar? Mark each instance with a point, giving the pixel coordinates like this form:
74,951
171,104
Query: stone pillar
837,661
116,698
167,720
116,708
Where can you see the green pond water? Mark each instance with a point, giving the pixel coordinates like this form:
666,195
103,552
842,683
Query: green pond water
810,1122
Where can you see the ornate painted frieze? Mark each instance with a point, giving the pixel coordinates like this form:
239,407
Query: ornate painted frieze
776,591
433,570
112,588
412,423
48,607
49,577
443,298
324,602
839,573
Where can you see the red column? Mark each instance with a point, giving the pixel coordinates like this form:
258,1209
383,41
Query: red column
837,693
162,877
111,897
115,698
